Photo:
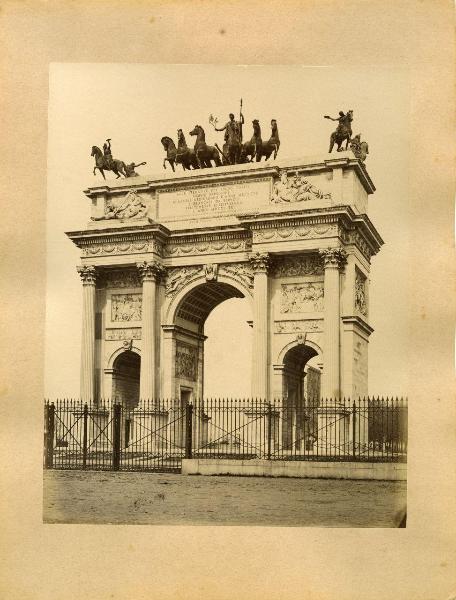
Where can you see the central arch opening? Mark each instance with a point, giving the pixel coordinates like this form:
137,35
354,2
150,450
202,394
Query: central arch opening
212,342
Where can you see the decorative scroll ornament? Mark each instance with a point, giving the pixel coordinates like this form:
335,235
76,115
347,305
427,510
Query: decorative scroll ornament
130,206
299,265
360,293
150,271
302,297
126,307
260,262
211,271
333,257
88,274
296,189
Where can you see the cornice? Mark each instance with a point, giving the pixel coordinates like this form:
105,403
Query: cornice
358,322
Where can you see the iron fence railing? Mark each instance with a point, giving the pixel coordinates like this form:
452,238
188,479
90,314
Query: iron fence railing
156,435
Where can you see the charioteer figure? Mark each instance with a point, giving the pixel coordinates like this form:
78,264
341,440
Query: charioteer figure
233,137
233,129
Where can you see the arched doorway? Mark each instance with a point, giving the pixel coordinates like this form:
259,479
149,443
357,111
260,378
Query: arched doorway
125,389
301,392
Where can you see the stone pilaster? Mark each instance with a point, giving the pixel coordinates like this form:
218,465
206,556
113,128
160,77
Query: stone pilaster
88,277
334,259
260,351
150,274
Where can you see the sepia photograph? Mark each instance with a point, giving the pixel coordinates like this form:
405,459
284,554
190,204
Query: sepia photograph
228,308
227,256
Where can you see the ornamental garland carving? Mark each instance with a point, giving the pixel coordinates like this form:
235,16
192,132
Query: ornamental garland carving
307,326
296,189
209,247
360,293
121,279
178,277
116,247
130,206
296,232
131,333
295,266
126,307
186,361
301,297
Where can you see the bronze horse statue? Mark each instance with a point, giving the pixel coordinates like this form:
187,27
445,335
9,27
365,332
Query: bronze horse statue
343,132
101,163
204,153
185,155
257,148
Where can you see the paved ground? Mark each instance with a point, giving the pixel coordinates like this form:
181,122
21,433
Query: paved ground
172,499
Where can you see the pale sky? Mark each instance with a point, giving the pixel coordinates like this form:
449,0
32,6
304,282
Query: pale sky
136,105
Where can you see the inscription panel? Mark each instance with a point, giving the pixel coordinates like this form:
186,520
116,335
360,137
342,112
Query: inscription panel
212,200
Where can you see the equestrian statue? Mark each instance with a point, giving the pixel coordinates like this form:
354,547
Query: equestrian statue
105,162
343,132
204,153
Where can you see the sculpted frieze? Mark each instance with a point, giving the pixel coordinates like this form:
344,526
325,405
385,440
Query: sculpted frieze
296,189
186,361
301,297
121,279
242,272
295,266
307,326
360,293
130,333
178,277
130,206
126,307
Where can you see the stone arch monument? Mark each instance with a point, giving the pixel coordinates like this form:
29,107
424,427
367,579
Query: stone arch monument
161,252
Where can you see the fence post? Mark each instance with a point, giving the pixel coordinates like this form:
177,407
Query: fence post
49,416
188,430
84,436
269,425
354,429
116,426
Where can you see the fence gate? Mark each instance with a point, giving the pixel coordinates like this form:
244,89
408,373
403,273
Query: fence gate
153,436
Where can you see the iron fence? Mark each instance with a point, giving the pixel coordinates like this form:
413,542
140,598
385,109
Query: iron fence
157,435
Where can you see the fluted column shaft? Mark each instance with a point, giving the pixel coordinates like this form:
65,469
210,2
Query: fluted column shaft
334,260
150,274
260,264
87,381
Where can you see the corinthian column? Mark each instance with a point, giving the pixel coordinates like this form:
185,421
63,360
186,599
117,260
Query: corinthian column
150,274
334,260
88,276
260,263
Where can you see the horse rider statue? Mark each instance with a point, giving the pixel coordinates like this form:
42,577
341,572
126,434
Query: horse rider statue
107,153
343,132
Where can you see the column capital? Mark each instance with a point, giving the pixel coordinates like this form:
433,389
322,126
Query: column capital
150,271
260,262
87,273
333,257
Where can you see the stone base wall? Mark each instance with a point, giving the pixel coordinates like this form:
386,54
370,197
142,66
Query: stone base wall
305,469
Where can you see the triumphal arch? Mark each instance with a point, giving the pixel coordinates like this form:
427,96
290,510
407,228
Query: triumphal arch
161,252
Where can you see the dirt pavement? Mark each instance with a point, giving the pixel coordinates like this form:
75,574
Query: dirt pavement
172,499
